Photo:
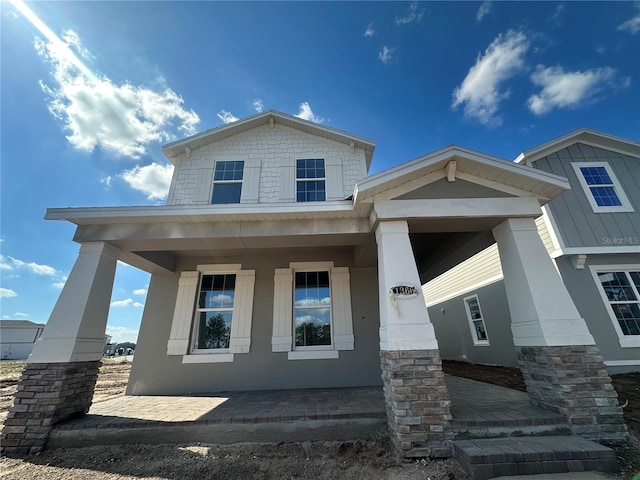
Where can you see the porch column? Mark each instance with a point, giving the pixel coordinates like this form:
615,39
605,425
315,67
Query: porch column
416,397
561,364
61,372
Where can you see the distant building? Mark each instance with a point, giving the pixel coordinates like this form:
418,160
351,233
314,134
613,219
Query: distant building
17,338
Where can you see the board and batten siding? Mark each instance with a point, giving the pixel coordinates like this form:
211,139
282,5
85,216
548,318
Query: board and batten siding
481,269
269,156
578,224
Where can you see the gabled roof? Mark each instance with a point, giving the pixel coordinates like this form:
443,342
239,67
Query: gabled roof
582,135
495,171
20,324
171,150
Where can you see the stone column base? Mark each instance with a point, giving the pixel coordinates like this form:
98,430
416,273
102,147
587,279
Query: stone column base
48,393
417,403
573,381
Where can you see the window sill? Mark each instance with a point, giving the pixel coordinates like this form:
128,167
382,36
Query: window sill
630,341
481,344
312,355
208,358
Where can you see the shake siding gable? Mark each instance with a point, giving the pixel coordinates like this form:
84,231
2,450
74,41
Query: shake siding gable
578,224
269,156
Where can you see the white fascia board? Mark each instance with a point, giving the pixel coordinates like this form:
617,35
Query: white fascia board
408,169
596,250
582,135
197,213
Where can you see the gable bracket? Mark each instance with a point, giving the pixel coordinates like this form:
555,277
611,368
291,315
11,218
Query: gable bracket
451,171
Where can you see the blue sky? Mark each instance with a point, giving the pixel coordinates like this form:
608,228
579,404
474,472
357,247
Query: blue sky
91,90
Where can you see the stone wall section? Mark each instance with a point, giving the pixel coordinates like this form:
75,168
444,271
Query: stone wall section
417,403
48,393
268,149
573,381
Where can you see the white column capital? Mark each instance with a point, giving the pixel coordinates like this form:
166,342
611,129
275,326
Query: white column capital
395,226
542,311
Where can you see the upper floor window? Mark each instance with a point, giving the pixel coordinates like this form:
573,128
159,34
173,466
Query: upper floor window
227,182
602,188
476,321
310,180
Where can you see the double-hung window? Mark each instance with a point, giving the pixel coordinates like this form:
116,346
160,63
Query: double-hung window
601,187
312,310
476,321
214,312
310,180
227,182
621,290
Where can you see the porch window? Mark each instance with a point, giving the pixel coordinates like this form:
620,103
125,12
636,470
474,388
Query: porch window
214,313
476,321
312,305
227,182
602,188
622,292
312,311
310,180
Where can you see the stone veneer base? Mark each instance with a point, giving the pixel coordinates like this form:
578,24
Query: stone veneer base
48,393
417,403
573,381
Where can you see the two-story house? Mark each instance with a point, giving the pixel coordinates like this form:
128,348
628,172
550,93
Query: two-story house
277,263
591,232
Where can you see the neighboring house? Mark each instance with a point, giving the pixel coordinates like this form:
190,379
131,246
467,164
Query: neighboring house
591,232
17,338
277,263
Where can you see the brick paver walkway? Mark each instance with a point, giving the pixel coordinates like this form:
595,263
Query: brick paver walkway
472,403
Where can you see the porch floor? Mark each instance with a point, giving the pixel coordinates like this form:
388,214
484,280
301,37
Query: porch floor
473,404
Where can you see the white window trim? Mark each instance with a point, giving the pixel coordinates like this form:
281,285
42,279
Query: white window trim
324,179
626,205
181,337
214,181
625,341
341,318
476,342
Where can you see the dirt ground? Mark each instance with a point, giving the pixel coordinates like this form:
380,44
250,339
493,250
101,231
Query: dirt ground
360,460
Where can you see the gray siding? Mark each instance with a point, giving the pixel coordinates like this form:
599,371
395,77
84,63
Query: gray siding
458,189
454,334
585,293
579,225
155,373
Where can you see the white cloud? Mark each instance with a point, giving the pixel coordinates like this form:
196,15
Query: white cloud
385,54
7,293
369,32
632,25
21,314
128,302
258,105
96,112
227,117
122,334
11,13
60,285
307,114
140,291
10,263
483,10
479,91
413,15
152,180
562,89
106,181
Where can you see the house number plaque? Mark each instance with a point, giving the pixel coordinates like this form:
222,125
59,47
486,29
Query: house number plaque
404,291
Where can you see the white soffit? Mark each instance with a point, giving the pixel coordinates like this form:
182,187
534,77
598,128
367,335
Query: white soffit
173,149
583,135
539,183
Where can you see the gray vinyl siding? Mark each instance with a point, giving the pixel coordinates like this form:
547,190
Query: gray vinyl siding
451,324
578,224
155,373
585,293
458,189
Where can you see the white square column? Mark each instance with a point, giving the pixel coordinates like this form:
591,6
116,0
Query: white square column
404,320
542,311
76,328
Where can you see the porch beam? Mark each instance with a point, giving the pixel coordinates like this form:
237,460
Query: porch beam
527,207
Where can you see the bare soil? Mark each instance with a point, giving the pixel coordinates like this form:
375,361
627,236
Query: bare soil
358,460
